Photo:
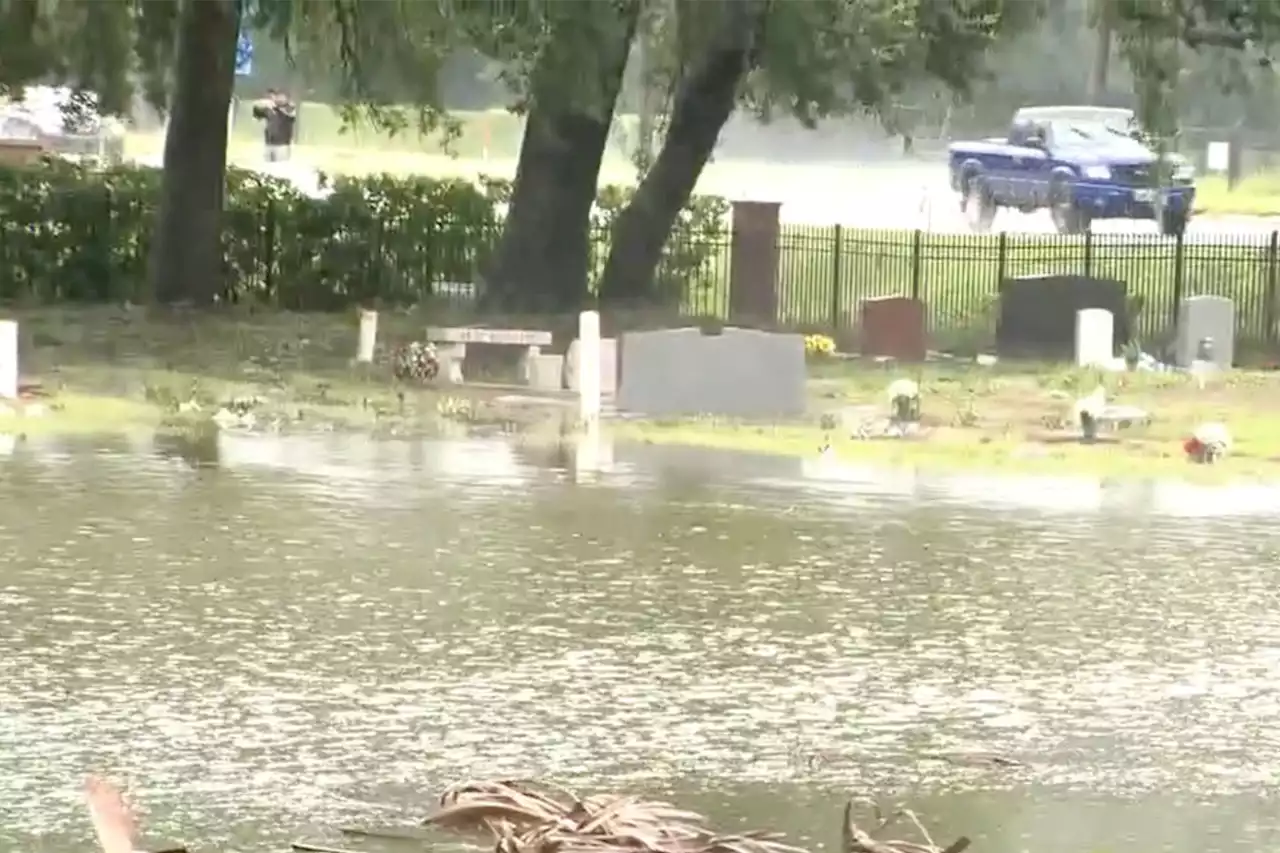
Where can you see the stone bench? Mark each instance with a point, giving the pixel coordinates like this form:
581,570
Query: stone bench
451,348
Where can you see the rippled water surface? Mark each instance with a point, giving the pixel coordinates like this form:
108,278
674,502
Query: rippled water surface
320,632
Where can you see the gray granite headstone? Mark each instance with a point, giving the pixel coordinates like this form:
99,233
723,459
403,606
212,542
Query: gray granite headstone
742,373
1201,317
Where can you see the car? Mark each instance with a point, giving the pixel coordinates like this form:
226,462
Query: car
1081,163
48,118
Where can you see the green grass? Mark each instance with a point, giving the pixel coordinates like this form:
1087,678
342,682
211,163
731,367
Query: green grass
1256,195
487,134
1010,418
958,275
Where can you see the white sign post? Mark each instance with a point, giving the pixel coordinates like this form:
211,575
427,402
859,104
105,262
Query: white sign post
8,360
368,336
1217,156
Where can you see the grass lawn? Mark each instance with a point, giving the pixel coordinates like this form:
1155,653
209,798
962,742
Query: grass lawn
1256,195
109,369
1017,418
114,369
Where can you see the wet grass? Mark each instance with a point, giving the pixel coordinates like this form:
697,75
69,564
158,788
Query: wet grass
106,369
1016,418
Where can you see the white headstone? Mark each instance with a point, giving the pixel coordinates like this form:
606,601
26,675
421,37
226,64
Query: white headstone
1217,156
1095,337
368,335
8,360
1212,317
589,366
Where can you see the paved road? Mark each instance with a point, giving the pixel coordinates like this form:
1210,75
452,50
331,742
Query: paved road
914,196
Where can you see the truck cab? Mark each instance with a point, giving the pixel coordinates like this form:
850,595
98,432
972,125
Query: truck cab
1079,163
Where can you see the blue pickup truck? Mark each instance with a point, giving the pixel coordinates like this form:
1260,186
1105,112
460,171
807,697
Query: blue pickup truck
1082,163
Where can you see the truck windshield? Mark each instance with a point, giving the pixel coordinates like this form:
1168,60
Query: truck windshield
1091,129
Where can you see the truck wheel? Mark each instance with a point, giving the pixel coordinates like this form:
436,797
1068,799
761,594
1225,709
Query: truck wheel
978,205
1067,218
1173,224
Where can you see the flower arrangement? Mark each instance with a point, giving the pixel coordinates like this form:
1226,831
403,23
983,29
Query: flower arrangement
416,361
819,346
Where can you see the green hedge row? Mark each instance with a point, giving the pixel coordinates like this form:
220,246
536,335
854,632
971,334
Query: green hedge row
68,234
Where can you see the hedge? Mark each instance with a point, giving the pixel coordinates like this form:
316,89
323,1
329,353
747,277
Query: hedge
69,234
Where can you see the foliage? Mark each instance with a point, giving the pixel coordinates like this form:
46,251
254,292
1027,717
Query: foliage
102,46
696,242
71,234
75,235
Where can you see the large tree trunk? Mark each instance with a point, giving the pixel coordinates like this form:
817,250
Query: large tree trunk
186,254
703,104
542,258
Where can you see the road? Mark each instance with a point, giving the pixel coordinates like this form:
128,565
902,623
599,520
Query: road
914,196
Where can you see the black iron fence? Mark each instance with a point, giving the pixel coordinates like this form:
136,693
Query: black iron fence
826,272
88,242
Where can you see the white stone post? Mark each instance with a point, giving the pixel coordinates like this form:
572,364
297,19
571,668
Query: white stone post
8,360
589,367
368,336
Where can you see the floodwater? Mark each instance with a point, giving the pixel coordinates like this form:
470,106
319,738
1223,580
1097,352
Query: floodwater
327,630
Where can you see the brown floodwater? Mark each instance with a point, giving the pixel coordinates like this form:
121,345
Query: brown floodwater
324,630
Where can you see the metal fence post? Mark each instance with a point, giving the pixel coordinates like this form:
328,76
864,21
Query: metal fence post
1002,259
917,240
1177,284
1269,308
1088,253
836,303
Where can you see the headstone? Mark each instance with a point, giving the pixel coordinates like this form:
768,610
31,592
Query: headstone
589,362
893,327
608,367
1038,314
368,336
1095,338
1201,317
545,372
742,373
8,360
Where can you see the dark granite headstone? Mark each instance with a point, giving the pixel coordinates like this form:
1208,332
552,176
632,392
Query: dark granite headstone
1038,314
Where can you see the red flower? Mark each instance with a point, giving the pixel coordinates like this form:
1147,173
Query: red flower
1192,446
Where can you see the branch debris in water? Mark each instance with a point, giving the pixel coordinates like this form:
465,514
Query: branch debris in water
534,817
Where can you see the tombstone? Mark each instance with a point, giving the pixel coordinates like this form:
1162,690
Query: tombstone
742,373
1095,338
1038,314
1206,317
368,336
893,327
608,367
544,371
8,360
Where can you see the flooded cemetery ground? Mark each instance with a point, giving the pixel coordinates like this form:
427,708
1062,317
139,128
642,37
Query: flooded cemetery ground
114,369
319,630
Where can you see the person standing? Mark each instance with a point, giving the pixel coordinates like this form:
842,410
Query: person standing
279,116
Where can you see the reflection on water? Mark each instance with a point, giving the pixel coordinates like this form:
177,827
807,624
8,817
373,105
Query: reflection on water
320,624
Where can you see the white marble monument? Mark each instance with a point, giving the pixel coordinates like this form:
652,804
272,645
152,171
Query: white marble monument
1095,338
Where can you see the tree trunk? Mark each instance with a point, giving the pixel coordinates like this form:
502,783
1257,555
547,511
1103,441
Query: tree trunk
1101,66
542,258
186,253
703,104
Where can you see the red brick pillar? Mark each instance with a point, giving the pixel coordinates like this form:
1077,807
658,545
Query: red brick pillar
753,263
